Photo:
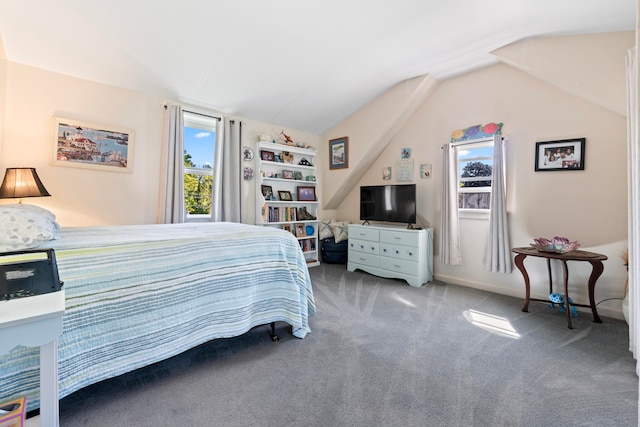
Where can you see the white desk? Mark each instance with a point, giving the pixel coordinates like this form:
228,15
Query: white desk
37,322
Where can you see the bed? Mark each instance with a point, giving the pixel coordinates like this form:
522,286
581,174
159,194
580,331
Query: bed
136,295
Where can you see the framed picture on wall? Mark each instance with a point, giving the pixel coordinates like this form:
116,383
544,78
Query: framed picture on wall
339,153
88,145
560,155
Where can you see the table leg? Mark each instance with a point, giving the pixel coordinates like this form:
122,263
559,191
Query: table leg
595,273
567,306
519,261
49,410
550,276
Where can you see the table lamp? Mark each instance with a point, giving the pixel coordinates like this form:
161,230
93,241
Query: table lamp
22,182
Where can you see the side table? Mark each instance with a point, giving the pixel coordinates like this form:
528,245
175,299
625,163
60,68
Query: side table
36,321
591,257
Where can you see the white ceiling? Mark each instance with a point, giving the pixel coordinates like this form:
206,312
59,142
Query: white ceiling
301,64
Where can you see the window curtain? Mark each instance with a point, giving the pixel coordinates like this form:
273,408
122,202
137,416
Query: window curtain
449,223
227,180
172,195
497,257
633,164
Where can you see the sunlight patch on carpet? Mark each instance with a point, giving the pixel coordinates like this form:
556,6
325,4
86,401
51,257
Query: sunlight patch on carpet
404,301
494,324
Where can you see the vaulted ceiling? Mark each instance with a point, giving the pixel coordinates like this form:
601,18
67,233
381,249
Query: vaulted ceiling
300,64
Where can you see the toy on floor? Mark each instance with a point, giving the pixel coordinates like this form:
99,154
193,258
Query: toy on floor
559,299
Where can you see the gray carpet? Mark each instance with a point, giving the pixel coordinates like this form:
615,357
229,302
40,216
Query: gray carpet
382,353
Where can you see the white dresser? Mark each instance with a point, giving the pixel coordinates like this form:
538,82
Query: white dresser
392,252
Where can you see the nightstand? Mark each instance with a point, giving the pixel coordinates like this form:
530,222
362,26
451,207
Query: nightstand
36,321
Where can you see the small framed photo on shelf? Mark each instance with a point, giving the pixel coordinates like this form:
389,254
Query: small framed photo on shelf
287,227
287,174
300,232
297,175
285,196
267,192
287,157
306,194
267,155
561,155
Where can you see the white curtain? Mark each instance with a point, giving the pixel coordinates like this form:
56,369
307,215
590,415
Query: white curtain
227,181
172,208
497,258
449,223
633,164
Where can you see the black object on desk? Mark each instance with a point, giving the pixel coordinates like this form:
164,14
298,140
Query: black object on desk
28,275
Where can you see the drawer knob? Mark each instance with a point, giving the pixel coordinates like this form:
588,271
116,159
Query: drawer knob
410,253
372,248
397,252
384,250
361,246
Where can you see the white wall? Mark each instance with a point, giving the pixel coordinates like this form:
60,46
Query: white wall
589,206
82,197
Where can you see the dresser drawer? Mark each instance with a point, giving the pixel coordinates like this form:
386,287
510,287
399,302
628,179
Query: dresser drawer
364,233
399,265
364,246
399,237
399,251
370,260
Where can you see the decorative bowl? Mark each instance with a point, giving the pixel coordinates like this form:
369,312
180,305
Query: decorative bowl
559,245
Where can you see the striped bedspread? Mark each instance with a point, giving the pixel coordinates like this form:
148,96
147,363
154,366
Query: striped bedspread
136,295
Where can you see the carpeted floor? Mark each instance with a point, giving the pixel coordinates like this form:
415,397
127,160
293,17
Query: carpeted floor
382,353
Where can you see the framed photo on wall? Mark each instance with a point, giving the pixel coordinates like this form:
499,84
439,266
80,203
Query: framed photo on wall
339,153
560,155
88,145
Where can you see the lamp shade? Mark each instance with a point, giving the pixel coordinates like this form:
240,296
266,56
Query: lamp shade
22,182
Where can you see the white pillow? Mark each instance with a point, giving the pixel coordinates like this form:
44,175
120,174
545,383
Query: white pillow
34,209
340,230
25,227
324,229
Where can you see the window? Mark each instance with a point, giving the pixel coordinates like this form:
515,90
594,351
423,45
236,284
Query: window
475,170
199,164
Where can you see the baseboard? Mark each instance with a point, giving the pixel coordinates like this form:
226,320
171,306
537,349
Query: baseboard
519,293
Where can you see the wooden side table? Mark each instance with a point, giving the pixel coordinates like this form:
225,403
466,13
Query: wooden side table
591,257
36,321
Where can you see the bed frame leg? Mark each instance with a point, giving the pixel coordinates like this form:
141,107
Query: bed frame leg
274,337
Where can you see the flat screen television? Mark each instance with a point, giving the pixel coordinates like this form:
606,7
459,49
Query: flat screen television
389,203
